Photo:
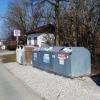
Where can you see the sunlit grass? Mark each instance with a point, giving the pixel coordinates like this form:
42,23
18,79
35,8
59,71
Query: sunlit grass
9,58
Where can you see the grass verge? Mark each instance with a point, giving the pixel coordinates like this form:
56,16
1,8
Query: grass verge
9,58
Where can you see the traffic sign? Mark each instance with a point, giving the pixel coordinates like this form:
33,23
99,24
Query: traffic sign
17,32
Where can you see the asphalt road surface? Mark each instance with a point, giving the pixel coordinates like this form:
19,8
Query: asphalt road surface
5,52
13,89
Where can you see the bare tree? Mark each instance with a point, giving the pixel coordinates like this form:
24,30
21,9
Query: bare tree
21,14
29,14
55,4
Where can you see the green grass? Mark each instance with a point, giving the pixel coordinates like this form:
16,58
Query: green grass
9,58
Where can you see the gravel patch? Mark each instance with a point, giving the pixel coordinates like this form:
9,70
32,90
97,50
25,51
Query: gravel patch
55,87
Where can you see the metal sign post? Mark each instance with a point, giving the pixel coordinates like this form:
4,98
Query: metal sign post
17,34
17,39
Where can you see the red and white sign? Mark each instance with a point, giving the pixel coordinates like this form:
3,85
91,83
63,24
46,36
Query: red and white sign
17,32
61,56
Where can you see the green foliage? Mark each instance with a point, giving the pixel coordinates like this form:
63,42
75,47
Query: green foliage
9,58
11,47
72,7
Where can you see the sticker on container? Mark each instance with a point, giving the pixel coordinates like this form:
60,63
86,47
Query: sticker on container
53,56
61,61
61,56
35,56
67,57
46,58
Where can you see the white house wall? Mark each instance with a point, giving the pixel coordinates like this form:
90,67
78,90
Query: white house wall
41,39
32,39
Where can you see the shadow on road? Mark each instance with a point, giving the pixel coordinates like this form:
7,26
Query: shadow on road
96,79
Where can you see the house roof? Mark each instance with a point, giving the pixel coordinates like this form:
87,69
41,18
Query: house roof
97,4
43,29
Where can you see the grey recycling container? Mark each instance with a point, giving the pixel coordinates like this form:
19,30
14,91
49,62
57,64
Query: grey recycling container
72,62
66,61
36,58
80,62
46,61
61,62
45,58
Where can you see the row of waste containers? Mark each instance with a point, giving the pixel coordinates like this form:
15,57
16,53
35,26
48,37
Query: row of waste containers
66,61
24,54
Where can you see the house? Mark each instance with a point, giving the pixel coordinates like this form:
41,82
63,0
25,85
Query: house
39,39
32,39
43,35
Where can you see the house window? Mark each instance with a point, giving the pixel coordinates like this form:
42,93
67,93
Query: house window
35,40
29,39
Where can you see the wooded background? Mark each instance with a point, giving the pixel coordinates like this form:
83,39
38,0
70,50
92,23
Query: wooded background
76,22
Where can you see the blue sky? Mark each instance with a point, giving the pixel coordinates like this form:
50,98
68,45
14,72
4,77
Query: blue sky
3,8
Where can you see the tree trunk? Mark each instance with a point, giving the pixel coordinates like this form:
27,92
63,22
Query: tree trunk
57,12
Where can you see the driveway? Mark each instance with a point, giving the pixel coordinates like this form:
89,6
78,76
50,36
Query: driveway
14,89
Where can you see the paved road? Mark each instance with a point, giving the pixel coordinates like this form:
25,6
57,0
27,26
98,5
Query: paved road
13,89
5,52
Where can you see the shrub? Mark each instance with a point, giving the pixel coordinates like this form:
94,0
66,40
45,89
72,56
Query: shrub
11,47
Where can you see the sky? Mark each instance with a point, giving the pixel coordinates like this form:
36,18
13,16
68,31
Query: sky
3,9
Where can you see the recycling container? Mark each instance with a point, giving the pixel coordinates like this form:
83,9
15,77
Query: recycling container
42,57
80,62
46,61
36,57
18,49
72,62
19,54
62,61
45,58
28,55
66,61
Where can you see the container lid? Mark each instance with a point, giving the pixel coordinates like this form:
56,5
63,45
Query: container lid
44,48
67,49
57,49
